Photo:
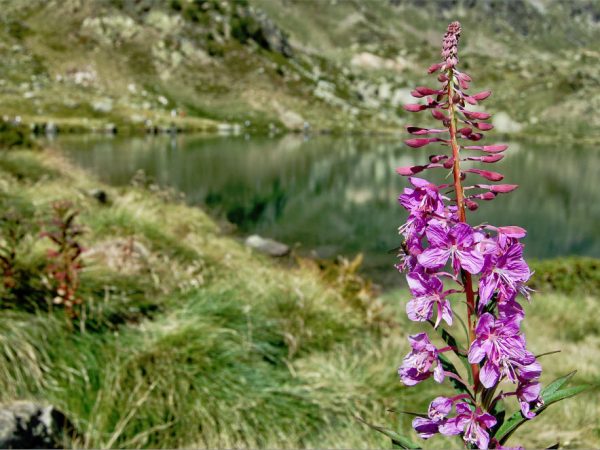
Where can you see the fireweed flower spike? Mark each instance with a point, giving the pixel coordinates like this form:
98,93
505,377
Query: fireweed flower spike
484,263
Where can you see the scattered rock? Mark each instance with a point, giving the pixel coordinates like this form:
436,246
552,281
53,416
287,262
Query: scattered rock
110,128
103,105
26,424
292,120
166,23
82,77
267,246
51,128
368,60
256,25
100,195
110,30
504,124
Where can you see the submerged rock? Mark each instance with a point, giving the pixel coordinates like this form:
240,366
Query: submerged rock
267,246
26,424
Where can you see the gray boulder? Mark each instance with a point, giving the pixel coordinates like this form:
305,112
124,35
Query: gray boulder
26,424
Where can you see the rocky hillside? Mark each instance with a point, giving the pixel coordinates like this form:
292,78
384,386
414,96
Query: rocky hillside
290,64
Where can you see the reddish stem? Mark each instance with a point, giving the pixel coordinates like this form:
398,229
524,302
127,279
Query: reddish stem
460,202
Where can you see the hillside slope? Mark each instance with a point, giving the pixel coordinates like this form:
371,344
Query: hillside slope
285,64
187,338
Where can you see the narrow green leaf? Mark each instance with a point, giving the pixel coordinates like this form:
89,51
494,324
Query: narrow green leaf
499,412
449,367
562,394
553,352
452,342
398,441
557,384
517,419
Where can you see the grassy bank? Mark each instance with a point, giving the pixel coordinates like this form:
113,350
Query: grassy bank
187,338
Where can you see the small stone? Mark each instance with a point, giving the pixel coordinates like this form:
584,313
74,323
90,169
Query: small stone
267,246
99,195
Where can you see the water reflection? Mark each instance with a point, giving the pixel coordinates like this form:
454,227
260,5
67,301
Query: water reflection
337,195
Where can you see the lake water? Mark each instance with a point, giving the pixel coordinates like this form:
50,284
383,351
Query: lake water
338,195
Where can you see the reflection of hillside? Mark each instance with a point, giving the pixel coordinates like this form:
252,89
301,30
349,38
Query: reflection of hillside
339,194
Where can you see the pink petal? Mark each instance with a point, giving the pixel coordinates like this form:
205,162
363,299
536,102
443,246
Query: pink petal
484,326
484,196
483,126
474,136
470,100
487,148
420,142
503,188
433,258
416,94
437,158
419,182
482,95
470,260
437,235
421,131
465,131
476,115
410,170
414,107
489,374
513,231
426,91
437,114
434,67
476,352
492,176
485,159
471,205
438,373
492,158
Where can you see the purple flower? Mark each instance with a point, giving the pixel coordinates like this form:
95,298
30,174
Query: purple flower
457,243
428,426
531,371
510,308
499,341
473,423
428,292
413,231
507,271
529,395
425,198
418,364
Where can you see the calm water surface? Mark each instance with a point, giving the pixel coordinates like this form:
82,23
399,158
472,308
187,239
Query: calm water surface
337,195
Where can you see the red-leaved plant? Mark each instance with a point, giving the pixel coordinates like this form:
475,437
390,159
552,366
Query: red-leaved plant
445,258
65,259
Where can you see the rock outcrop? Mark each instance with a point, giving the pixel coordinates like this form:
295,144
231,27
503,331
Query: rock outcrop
27,424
